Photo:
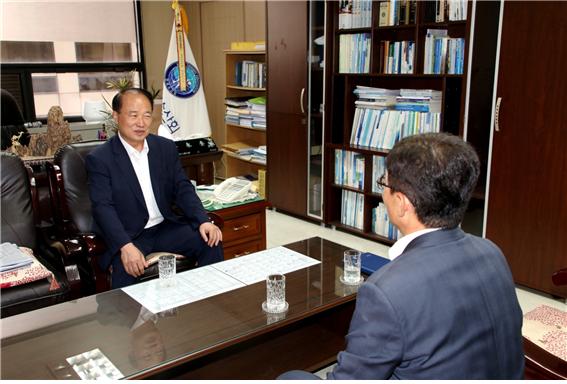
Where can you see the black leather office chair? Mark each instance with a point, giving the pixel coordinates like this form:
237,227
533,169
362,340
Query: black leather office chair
69,186
18,227
12,121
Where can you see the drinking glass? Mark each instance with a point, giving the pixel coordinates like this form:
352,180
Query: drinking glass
351,271
166,266
275,294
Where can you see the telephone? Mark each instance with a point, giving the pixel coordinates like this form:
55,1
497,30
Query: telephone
232,189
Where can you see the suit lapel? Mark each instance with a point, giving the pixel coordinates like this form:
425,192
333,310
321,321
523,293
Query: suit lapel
154,164
124,164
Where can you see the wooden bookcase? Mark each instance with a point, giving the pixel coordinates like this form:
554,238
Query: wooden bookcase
340,107
253,137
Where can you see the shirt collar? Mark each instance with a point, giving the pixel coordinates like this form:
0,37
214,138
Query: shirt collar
133,151
400,246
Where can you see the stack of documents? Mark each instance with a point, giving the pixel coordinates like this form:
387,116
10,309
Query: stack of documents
11,257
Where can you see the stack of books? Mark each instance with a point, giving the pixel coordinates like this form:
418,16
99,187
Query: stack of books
420,100
257,108
383,116
246,111
246,152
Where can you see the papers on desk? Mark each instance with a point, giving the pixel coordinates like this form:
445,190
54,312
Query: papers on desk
193,285
11,257
253,268
198,284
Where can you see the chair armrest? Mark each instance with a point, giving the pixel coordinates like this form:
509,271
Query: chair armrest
560,277
79,253
93,247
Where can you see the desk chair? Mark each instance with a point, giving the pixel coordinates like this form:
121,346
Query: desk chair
540,364
18,227
70,195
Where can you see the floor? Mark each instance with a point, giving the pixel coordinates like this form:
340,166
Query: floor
283,229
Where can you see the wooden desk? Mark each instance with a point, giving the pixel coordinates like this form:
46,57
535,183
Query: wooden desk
244,230
224,337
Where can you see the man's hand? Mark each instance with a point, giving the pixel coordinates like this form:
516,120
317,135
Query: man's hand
133,260
210,233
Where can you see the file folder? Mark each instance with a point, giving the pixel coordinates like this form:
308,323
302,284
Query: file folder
370,263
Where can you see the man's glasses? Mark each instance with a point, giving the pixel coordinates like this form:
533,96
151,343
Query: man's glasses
381,182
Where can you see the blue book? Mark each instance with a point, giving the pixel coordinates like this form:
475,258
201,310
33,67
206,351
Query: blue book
370,262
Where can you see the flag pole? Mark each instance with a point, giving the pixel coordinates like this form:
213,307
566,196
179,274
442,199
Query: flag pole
180,46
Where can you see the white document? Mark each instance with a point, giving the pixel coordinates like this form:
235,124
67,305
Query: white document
211,280
253,268
190,286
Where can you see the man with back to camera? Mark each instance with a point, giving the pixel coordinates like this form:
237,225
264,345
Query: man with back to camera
445,307
134,179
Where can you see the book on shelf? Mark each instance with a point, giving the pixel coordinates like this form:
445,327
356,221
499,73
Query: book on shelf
397,56
440,11
248,45
457,10
349,169
250,74
381,224
236,101
247,152
384,14
397,12
443,54
354,53
236,146
257,103
246,111
380,125
352,209
378,169
262,183
355,14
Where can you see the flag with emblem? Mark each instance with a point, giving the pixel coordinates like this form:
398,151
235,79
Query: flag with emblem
184,110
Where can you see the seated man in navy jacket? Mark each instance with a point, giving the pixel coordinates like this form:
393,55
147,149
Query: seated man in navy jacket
134,179
445,307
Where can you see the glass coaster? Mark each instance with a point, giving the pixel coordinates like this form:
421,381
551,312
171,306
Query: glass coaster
265,308
341,278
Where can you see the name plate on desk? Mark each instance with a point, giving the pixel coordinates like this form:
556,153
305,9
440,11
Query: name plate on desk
196,146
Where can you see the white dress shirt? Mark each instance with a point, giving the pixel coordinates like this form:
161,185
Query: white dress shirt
400,246
139,160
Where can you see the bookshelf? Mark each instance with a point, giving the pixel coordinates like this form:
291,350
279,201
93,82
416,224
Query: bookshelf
245,79
394,58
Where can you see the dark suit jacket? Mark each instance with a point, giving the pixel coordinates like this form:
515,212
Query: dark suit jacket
118,204
446,308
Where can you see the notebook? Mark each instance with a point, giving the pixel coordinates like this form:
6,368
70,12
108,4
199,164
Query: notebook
371,262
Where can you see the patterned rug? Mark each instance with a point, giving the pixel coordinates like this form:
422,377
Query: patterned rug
547,327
